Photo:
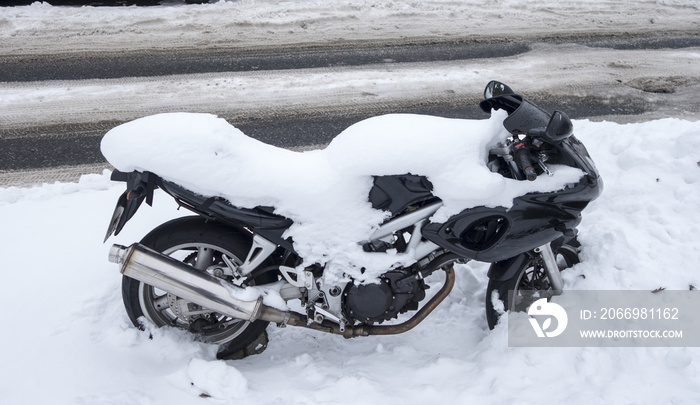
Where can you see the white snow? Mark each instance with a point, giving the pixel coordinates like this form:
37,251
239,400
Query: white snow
325,191
67,340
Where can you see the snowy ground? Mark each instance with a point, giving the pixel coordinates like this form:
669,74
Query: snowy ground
67,339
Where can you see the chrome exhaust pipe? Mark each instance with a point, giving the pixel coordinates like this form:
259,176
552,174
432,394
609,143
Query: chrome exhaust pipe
163,272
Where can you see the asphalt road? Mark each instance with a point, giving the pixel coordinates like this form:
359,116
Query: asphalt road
79,66
41,148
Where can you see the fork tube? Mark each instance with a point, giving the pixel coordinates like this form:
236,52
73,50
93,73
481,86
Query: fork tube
551,267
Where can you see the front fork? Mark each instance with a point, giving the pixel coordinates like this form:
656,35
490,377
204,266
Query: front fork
551,268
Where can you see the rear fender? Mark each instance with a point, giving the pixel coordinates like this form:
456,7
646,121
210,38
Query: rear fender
139,187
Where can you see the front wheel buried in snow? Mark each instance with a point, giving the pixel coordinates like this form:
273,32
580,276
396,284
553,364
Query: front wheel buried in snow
528,283
207,247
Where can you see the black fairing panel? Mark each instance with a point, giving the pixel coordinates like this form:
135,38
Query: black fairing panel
261,220
141,185
495,234
526,117
523,115
397,192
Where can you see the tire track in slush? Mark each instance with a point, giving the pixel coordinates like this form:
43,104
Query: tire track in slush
164,63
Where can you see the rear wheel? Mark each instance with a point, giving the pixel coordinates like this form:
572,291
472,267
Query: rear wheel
207,246
529,282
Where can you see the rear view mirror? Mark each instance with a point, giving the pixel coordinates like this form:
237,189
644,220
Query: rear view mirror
559,127
495,89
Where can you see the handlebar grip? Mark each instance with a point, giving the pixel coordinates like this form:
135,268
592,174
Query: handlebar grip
522,158
530,173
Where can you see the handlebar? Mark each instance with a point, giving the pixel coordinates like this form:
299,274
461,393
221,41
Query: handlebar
522,158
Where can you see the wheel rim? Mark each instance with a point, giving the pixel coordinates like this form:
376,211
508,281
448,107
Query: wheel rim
533,283
164,309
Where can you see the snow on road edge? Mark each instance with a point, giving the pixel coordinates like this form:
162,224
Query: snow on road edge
255,24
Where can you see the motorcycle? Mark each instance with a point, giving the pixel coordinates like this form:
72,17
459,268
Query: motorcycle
197,272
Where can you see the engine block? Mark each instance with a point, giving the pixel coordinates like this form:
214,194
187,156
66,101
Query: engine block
396,292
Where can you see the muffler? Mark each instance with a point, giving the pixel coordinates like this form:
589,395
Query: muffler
168,274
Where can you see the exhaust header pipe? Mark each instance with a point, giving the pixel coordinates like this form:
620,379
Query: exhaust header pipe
163,272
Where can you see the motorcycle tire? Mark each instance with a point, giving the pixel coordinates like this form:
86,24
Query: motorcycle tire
529,278
188,239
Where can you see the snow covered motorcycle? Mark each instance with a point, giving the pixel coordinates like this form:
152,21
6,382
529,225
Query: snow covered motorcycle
341,240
